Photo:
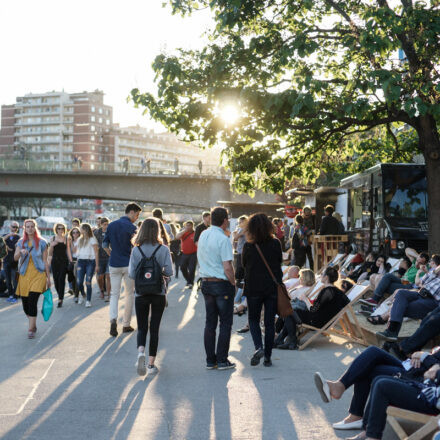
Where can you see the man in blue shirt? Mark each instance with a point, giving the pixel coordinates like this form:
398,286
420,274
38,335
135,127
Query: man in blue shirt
117,244
9,264
215,257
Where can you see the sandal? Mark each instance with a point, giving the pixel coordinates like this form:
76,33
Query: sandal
31,334
376,320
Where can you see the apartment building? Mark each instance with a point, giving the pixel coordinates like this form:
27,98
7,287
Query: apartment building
58,127
135,142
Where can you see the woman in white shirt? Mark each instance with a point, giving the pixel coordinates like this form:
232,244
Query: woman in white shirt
87,252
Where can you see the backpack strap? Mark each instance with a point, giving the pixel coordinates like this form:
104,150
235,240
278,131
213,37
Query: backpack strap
152,255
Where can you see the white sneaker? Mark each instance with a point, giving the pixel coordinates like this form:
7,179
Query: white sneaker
88,304
140,364
152,370
348,426
80,299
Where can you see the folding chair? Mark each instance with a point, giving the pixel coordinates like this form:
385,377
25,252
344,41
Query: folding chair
345,324
394,263
336,260
430,423
347,261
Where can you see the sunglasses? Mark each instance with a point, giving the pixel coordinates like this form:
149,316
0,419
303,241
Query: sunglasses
14,227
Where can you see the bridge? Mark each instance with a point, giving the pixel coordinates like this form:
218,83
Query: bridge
192,191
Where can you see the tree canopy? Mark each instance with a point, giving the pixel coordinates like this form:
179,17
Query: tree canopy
318,84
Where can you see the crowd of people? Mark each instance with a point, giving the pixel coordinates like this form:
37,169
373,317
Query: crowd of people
240,271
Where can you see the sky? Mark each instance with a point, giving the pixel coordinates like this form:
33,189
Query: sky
90,44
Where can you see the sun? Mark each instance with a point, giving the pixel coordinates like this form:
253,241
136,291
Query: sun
230,114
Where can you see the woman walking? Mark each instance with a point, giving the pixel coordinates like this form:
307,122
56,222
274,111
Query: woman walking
34,271
149,244
259,286
58,259
72,253
87,251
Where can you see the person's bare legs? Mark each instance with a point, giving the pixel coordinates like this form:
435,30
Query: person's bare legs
107,284
101,283
32,323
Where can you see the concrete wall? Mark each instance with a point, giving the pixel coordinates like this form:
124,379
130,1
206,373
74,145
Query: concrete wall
197,192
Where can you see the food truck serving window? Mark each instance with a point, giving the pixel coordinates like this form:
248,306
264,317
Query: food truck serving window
405,193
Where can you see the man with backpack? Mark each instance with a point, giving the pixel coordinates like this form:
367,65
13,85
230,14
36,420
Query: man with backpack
300,234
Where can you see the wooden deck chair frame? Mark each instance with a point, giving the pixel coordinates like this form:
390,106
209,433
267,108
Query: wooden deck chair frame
336,260
349,326
347,261
429,422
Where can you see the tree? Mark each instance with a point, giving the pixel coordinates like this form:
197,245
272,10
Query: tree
308,77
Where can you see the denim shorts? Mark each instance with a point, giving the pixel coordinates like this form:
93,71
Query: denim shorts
104,267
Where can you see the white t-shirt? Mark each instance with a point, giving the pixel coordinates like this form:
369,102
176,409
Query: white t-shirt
291,283
86,252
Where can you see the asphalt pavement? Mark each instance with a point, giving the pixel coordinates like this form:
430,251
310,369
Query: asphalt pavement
75,381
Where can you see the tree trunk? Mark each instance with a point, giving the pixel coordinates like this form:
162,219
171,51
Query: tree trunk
429,144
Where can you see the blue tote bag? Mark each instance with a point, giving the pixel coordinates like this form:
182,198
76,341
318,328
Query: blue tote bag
47,308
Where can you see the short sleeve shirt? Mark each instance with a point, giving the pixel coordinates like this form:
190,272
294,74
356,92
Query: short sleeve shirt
214,248
87,252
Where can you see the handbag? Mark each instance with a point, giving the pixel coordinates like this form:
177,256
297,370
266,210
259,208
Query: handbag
284,307
47,308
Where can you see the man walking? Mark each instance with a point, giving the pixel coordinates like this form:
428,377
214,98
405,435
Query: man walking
188,257
218,287
9,264
158,213
117,244
206,222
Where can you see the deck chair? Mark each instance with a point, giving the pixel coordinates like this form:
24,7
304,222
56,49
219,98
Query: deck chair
336,260
430,423
394,263
347,261
345,324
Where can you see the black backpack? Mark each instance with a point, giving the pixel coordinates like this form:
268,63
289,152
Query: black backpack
148,276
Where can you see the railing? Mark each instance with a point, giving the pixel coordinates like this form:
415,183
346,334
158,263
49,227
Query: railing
31,165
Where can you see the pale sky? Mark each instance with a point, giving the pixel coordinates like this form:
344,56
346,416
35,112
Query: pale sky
89,44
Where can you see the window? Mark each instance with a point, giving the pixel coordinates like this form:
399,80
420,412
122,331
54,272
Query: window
92,157
92,128
92,109
92,118
100,120
100,110
107,121
92,137
92,167
93,148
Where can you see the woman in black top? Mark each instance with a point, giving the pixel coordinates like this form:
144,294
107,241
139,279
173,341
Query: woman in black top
329,302
58,259
259,287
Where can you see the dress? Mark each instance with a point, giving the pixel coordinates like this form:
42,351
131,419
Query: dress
31,281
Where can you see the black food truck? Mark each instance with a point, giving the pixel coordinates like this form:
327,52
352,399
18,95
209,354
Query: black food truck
388,208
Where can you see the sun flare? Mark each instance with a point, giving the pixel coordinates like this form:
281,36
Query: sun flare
230,114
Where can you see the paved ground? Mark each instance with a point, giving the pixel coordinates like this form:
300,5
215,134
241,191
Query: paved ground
75,381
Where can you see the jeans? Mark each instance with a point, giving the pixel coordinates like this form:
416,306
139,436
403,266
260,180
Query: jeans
410,303
143,304
255,304
389,391
10,270
188,263
428,329
364,369
219,304
309,256
86,269
389,283
116,275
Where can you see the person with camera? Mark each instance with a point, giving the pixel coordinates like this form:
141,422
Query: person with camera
414,303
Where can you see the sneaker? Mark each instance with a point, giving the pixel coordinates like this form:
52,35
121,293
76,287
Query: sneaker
190,286
370,308
80,299
226,365
267,362
369,302
70,292
211,366
12,300
113,328
152,370
106,298
255,359
76,299
140,365
387,335
245,329
127,329
88,304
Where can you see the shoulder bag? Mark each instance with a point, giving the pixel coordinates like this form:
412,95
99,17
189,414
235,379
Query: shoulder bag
284,307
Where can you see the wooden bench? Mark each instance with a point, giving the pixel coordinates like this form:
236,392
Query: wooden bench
429,423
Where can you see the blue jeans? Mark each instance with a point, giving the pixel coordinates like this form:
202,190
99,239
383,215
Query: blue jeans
428,329
11,283
390,391
85,269
410,303
389,283
219,304
255,304
371,363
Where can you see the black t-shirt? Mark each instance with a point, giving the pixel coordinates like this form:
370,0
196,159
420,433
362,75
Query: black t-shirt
199,229
11,242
